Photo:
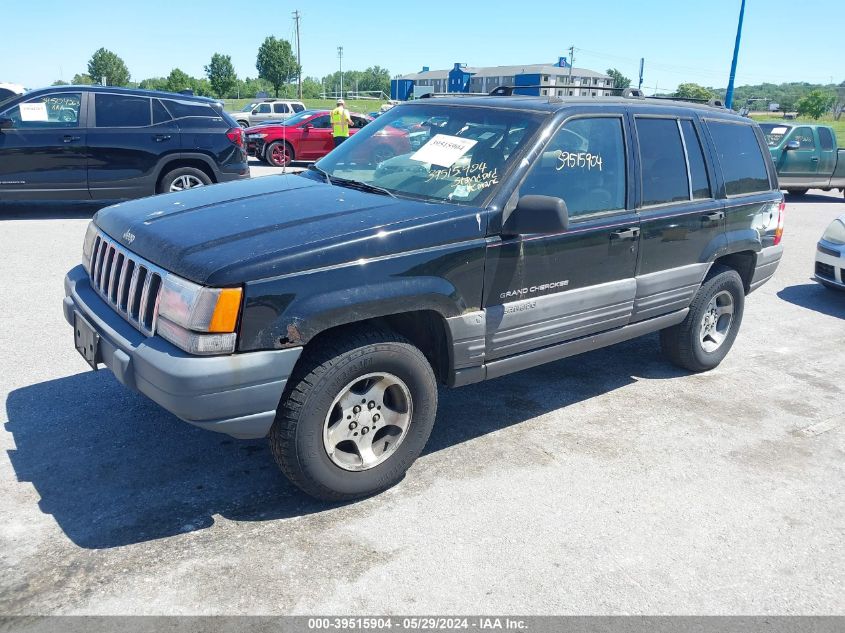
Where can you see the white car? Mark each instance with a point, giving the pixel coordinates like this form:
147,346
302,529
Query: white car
830,255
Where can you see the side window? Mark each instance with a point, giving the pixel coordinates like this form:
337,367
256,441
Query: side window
114,110
664,170
358,122
280,108
182,109
297,107
825,139
804,135
697,166
264,108
740,157
160,113
321,122
584,164
54,110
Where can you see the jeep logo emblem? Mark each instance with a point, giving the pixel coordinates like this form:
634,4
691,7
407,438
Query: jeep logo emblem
128,237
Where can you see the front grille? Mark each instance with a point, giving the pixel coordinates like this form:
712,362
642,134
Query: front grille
130,284
825,270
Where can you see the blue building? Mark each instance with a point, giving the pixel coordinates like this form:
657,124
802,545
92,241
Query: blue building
557,79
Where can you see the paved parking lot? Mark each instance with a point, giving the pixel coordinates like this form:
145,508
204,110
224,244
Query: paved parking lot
606,483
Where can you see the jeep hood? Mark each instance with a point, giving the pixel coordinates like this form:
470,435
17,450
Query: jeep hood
242,231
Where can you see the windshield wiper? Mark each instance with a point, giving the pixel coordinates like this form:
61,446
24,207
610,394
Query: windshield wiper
321,172
363,186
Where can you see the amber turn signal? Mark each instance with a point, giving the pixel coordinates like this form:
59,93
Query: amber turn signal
225,316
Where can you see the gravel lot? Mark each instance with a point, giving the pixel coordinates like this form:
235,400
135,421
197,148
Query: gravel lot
606,483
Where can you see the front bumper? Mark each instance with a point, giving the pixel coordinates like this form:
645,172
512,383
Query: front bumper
237,394
832,258
767,263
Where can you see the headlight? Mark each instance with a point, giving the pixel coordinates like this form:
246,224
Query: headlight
88,245
197,319
835,232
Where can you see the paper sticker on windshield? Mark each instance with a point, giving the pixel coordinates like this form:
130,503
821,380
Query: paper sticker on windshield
33,111
443,150
779,130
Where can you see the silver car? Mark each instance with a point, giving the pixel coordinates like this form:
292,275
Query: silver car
272,109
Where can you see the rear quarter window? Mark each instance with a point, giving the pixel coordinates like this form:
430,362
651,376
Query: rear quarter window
184,109
740,157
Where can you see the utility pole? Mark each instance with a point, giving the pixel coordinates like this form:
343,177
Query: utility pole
296,18
729,95
642,65
571,61
340,61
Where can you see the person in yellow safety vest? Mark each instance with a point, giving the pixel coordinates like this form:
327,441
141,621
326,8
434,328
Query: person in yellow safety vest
340,122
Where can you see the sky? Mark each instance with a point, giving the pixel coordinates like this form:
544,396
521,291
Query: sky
681,41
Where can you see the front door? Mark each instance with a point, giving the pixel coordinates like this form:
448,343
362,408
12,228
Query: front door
261,112
316,140
800,166
542,290
43,155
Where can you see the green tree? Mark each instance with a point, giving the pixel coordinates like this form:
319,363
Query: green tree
201,87
619,80
221,75
106,65
154,83
82,79
276,62
178,80
59,82
311,88
693,91
374,78
815,104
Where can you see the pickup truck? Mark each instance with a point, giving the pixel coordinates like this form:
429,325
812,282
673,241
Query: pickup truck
805,156
322,310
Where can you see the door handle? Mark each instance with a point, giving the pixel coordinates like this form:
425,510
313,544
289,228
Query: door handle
625,234
714,217
162,137
815,159
70,139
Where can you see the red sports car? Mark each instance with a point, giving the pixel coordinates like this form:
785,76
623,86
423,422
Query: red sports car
307,136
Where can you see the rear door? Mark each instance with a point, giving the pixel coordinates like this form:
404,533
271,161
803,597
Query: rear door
827,153
683,224
126,145
542,289
281,111
43,155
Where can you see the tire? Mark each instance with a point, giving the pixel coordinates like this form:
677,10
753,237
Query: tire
279,154
301,436
185,175
243,124
685,345
797,192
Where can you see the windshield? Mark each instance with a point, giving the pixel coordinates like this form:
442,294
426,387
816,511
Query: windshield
248,107
296,119
774,133
434,152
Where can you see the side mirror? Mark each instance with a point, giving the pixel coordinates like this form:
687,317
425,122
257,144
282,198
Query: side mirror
537,214
792,145
255,111
6,124
307,126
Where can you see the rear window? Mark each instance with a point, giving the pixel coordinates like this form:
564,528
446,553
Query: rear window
121,110
774,133
740,157
182,109
825,139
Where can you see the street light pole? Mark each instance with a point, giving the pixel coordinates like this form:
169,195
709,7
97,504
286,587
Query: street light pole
340,62
729,95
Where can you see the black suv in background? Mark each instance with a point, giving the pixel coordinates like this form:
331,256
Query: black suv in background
100,143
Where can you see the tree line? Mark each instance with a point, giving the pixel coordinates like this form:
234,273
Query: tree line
276,67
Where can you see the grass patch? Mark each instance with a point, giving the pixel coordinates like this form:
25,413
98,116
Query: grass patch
362,106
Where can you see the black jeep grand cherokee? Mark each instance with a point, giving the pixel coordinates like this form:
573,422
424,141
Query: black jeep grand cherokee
323,309
102,143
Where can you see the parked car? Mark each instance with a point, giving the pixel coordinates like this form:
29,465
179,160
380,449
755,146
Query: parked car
830,255
93,142
805,156
275,109
10,90
321,310
308,137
